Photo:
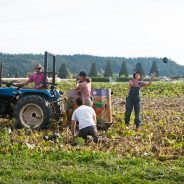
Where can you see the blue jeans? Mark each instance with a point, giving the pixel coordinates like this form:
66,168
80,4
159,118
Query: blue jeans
133,102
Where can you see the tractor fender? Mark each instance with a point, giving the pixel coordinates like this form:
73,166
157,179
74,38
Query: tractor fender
42,93
36,94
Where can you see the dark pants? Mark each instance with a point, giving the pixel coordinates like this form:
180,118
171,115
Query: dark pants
133,102
91,130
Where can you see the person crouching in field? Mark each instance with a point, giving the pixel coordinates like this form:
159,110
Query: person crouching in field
133,99
83,87
86,117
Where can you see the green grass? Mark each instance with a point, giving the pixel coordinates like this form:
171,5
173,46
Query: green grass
87,167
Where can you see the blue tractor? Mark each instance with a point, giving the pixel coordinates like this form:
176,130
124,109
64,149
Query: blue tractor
30,107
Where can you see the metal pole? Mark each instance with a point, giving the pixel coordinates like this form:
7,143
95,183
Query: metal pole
54,69
45,69
1,71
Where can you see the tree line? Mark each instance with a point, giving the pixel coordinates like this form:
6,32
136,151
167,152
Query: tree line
20,65
65,73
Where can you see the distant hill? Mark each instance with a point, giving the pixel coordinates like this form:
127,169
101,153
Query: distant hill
19,65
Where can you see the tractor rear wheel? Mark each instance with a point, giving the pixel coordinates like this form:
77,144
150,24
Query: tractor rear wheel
33,112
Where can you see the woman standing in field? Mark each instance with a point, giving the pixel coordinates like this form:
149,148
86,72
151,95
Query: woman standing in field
83,87
133,99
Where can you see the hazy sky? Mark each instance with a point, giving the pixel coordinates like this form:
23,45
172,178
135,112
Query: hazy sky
128,28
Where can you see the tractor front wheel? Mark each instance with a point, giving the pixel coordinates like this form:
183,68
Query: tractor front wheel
33,112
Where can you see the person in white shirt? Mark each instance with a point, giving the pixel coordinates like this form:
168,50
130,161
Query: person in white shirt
86,117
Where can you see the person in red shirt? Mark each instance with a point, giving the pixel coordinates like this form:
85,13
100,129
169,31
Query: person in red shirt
37,77
84,88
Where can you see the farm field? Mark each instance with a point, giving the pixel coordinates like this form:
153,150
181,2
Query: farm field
153,154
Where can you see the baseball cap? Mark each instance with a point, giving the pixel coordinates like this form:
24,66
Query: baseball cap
39,66
83,74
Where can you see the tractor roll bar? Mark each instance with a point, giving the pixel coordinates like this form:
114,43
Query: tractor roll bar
1,73
46,72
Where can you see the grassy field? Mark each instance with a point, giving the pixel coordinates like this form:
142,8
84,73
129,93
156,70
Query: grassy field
153,154
87,167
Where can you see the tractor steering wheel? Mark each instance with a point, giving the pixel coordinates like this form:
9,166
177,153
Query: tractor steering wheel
8,84
13,84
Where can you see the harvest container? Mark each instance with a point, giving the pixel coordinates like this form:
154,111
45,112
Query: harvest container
101,104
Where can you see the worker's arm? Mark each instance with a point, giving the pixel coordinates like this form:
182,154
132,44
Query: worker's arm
20,84
147,83
80,86
144,84
77,87
133,83
73,127
94,118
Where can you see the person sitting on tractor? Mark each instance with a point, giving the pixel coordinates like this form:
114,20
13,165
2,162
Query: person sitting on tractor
133,99
84,88
37,77
86,117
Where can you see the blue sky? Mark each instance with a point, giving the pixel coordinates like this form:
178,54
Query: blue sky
129,28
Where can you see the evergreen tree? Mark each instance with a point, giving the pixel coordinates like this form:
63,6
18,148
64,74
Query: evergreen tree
154,69
25,63
64,72
93,71
17,74
139,68
123,70
108,70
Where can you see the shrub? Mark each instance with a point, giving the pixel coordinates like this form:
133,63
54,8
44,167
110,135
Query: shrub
101,79
123,79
